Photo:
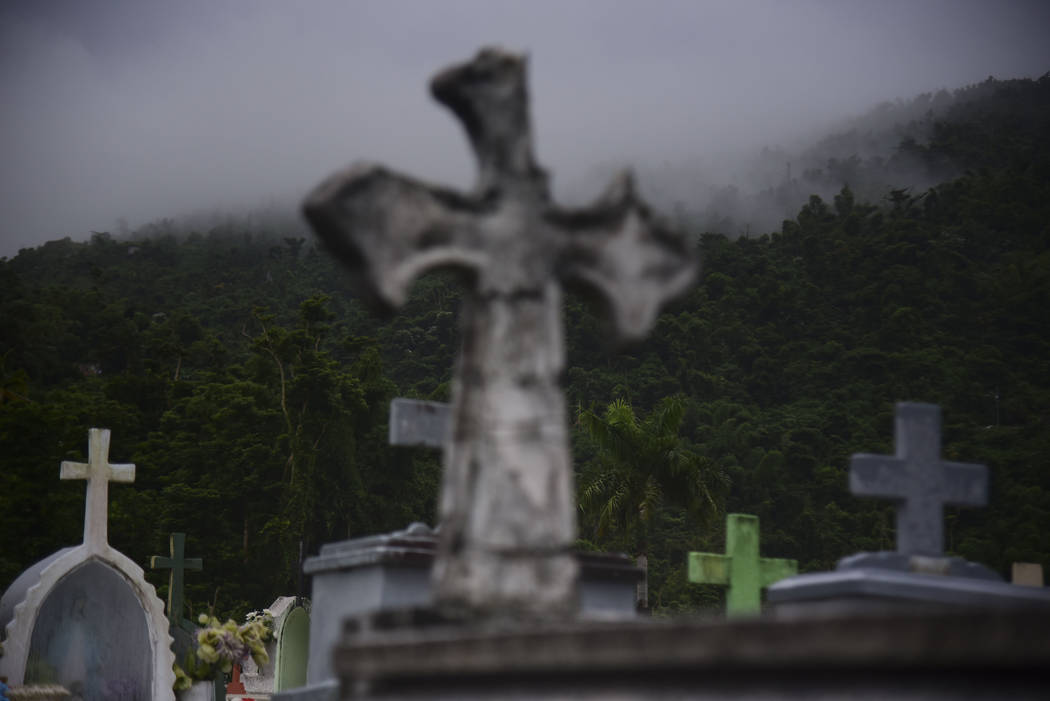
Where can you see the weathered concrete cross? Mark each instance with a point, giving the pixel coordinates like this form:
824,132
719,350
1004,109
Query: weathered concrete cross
98,473
178,564
507,504
918,481
419,422
741,568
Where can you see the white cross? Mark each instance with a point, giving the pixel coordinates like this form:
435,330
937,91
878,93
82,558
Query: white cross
98,473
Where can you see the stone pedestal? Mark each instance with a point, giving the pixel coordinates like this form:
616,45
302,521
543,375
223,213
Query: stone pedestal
976,655
892,580
390,572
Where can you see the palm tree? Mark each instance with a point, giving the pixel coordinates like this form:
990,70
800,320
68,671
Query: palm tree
639,466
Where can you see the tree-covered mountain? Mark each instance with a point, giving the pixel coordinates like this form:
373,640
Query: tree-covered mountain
237,370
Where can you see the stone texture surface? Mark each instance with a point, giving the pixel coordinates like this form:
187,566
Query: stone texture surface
947,656
507,506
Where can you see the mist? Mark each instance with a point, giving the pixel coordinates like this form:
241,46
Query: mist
120,113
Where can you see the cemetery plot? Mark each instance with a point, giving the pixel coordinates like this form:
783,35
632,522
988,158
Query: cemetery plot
85,618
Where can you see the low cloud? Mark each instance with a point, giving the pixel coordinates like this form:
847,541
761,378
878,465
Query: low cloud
143,110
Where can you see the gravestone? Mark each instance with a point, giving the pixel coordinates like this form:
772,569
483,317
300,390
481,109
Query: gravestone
288,650
740,569
85,617
917,574
182,631
507,507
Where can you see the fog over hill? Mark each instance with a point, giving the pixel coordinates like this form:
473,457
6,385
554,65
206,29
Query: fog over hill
122,113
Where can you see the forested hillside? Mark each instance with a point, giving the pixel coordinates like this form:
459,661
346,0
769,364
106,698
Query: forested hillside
251,389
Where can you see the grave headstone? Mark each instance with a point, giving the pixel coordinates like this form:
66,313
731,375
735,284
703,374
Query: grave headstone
740,569
507,507
85,617
288,650
917,574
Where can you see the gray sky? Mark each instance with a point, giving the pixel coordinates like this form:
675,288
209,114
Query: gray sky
149,108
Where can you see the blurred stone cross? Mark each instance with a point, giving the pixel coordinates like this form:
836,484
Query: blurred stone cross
178,563
419,422
507,507
98,473
918,481
741,569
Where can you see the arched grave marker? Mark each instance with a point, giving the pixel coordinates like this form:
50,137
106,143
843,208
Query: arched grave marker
85,617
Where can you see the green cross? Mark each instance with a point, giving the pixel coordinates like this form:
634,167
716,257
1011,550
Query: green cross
177,563
740,568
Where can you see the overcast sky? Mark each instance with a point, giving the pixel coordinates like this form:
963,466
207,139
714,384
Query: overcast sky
149,108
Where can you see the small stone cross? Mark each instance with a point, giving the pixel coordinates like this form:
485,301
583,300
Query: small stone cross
98,473
918,481
507,507
178,564
418,422
741,568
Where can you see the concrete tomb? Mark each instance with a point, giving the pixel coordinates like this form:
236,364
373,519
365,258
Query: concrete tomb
917,574
85,617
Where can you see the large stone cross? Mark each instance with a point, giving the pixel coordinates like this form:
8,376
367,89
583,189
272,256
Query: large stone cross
918,481
741,569
98,473
178,563
507,507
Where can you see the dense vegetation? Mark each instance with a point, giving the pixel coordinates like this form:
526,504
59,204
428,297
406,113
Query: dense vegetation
250,387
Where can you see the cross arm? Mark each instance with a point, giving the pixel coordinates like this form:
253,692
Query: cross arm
966,484
389,229
709,568
617,248
774,569
881,476
162,562
79,470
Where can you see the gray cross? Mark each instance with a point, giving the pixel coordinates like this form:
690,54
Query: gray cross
507,506
918,480
419,422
